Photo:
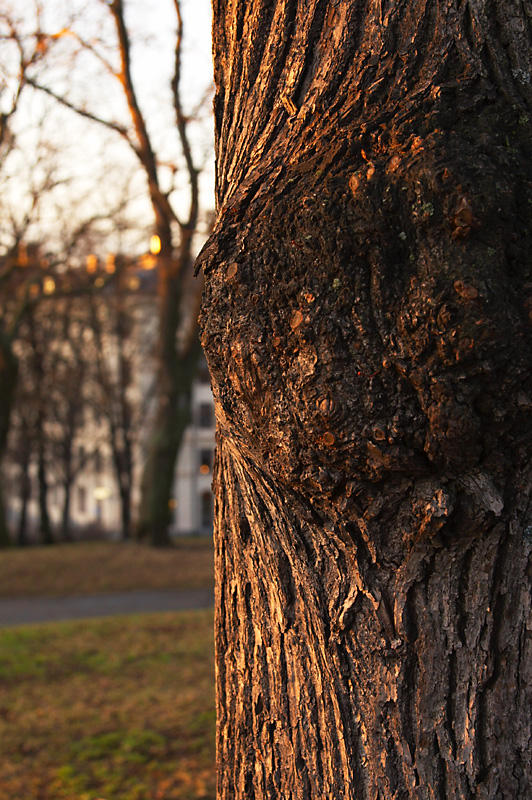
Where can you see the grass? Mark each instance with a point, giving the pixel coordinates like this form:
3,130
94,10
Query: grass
95,567
120,708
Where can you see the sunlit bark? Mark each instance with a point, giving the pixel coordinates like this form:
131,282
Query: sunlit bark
367,326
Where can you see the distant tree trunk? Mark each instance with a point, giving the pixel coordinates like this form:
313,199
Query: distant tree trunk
123,463
121,434
176,372
45,526
8,381
25,494
70,422
125,512
175,369
367,322
65,512
37,355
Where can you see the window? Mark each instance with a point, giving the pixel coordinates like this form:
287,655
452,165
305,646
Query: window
206,512
205,461
82,499
203,374
205,416
98,461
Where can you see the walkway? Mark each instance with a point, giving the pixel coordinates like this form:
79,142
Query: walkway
21,610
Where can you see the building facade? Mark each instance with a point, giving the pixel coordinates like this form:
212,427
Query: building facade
193,502
116,342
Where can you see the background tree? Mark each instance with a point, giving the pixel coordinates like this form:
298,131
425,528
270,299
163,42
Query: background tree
367,326
21,55
34,190
68,401
124,337
18,298
18,456
175,237
50,47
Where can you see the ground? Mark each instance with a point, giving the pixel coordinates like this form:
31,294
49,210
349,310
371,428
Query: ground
94,567
120,708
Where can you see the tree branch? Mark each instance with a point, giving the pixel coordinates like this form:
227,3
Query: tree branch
83,113
14,37
164,213
182,125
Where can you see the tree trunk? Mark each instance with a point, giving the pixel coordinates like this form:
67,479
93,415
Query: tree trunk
176,372
125,509
8,381
65,512
367,322
25,494
42,482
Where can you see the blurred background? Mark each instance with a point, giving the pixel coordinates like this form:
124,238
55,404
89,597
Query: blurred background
106,414
106,197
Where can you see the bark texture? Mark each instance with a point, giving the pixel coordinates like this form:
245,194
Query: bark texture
367,322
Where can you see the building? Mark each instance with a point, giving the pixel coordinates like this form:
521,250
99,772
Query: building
95,501
95,508
193,502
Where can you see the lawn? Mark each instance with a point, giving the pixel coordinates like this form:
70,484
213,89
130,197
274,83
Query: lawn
120,709
92,567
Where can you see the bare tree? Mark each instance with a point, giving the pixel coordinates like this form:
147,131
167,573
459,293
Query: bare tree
177,356
17,298
118,393
19,455
67,373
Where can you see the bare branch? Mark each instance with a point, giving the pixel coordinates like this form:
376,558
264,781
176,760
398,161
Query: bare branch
181,121
85,45
83,113
164,213
13,37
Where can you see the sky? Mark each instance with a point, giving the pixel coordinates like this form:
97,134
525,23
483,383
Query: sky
84,149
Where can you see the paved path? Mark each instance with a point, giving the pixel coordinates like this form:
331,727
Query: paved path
20,610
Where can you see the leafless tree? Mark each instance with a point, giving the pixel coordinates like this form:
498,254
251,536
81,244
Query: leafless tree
177,355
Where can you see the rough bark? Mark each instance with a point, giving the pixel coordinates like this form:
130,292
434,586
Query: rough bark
367,323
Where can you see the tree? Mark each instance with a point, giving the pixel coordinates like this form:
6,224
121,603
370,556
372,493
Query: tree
11,86
121,324
174,235
366,321
8,375
17,300
66,371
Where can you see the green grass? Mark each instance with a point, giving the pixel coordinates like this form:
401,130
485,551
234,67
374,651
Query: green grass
95,567
120,708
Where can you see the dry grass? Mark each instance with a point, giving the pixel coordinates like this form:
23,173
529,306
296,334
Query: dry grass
120,709
93,567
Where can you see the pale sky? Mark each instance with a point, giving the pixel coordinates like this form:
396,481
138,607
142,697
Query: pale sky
85,149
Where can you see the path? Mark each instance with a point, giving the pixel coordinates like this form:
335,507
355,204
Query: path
21,610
